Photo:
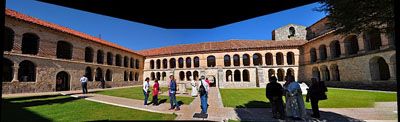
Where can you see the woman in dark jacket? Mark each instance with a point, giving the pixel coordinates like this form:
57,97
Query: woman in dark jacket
316,92
274,93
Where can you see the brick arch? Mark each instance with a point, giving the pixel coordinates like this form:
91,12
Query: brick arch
64,50
89,54
30,43
27,71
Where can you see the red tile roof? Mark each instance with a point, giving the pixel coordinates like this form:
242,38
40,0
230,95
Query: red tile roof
20,16
230,45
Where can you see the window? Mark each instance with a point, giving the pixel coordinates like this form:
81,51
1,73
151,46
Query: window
99,74
322,52
313,55
351,45
335,49
180,62
227,60
279,58
88,73
196,61
88,54
125,76
316,73
188,62
281,74
379,69
108,75
181,75
269,59
335,72
196,75
290,58
152,76
158,76
109,58
172,63
246,60
158,64
165,63
292,32
237,76
151,64
130,76
211,61
30,44
188,76
100,57
325,73
27,71
236,60
372,40
257,59
126,62
246,76
132,63
136,76
271,72
228,75
8,39
163,76
137,64
118,60
64,50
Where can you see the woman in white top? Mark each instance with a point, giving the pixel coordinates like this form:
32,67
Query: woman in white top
194,87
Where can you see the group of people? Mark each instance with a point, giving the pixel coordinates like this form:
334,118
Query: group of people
294,107
202,88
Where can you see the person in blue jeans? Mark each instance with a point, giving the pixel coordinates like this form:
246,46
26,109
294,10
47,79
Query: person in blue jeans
172,94
204,97
146,90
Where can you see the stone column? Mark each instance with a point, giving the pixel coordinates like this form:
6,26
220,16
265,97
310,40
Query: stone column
328,52
273,59
264,63
285,59
15,75
296,59
251,60
362,46
385,40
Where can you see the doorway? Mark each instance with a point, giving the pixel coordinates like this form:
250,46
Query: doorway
212,80
62,81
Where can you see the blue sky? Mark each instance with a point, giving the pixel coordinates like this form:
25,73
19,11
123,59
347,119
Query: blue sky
137,36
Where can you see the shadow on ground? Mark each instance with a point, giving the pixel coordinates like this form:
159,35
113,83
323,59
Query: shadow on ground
15,109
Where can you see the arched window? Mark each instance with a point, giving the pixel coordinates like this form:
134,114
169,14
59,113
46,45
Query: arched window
88,54
151,64
64,50
269,59
136,76
227,60
236,60
290,72
137,63
290,58
196,75
322,52
237,76
372,40
125,76
211,61
325,73
100,57
181,75
379,69
257,59
165,63
8,71
351,45
180,62
246,60
196,61
118,60
163,76
316,73
152,76
188,62
108,75
30,44
246,76
130,76
158,75
279,58
126,62
109,58
335,49
172,63
281,74
132,63
313,55
228,75
27,71
8,39
99,74
158,64
335,72
188,75
292,32
88,73
271,72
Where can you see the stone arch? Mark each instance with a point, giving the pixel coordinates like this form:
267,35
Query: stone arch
30,43
27,71
136,76
158,64
269,59
188,75
125,76
279,58
379,69
64,50
131,76
281,74
351,44
196,75
132,62
89,54
246,60
271,72
8,38
196,61
211,61
158,76
257,59
163,76
172,63
137,63
292,32
325,73
109,75
99,74
322,52
393,65
290,72
62,81
335,49
316,73
181,76
313,55
246,75
290,58
126,61
109,58
335,72
237,77
118,60
89,74
151,64
152,76
227,60
165,63
180,62
8,70
372,39
188,62
100,57
236,60
228,75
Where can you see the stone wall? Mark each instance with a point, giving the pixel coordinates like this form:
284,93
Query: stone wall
283,33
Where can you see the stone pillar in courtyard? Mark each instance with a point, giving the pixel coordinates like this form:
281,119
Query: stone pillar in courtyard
261,77
15,75
220,78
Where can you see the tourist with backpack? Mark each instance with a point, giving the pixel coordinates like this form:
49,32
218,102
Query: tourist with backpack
203,92
172,94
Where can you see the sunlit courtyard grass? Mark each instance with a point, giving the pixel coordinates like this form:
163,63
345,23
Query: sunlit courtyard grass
65,108
337,98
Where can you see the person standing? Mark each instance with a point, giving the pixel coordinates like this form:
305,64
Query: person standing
194,87
274,93
316,92
146,90
203,91
84,84
156,89
103,83
172,94
294,99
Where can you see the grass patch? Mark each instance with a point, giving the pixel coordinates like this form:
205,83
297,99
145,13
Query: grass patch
137,93
337,98
65,108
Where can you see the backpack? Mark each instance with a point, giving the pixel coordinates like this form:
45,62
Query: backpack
202,89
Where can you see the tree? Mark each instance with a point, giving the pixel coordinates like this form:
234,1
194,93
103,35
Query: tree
355,16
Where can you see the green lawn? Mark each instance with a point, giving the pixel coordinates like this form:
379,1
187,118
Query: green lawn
65,108
137,93
337,98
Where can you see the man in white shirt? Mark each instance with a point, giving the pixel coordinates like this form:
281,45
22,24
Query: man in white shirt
84,80
146,90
